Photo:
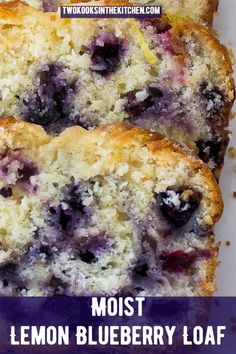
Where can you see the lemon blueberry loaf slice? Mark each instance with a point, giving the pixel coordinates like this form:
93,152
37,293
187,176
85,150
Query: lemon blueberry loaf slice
166,76
115,210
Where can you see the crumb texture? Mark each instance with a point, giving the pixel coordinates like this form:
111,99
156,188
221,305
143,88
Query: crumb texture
115,210
168,75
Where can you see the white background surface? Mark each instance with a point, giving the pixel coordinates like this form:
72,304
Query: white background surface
225,24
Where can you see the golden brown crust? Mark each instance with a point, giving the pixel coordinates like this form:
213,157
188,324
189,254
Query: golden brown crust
208,286
204,13
210,11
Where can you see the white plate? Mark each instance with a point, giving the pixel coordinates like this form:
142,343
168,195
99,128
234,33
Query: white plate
226,229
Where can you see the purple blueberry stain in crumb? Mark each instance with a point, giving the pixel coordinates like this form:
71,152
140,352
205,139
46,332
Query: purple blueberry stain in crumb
58,285
178,205
134,107
90,249
71,212
6,192
16,167
162,35
179,261
159,26
156,105
28,170
212,151
88,257
202,230
8,273
46,250
71,216
38,251
50,5
51,104
141,270
106,53
151,241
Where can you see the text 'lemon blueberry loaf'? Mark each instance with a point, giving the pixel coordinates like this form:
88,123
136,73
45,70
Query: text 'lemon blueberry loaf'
115,210
198,10
170,77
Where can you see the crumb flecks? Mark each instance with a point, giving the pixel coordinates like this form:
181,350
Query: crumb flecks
15,167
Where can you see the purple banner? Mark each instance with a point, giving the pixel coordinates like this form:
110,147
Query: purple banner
118,325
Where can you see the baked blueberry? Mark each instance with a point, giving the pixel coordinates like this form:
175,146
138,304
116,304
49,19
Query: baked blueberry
6,192
16,167
46,250
8,273
57,285
211,150
71,211
179,261
106,53
141,269
178,205
161,107
89,249
51,104
27,170
136,108
214,100
87,256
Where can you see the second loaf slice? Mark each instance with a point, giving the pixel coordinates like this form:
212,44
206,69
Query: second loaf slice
112,211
